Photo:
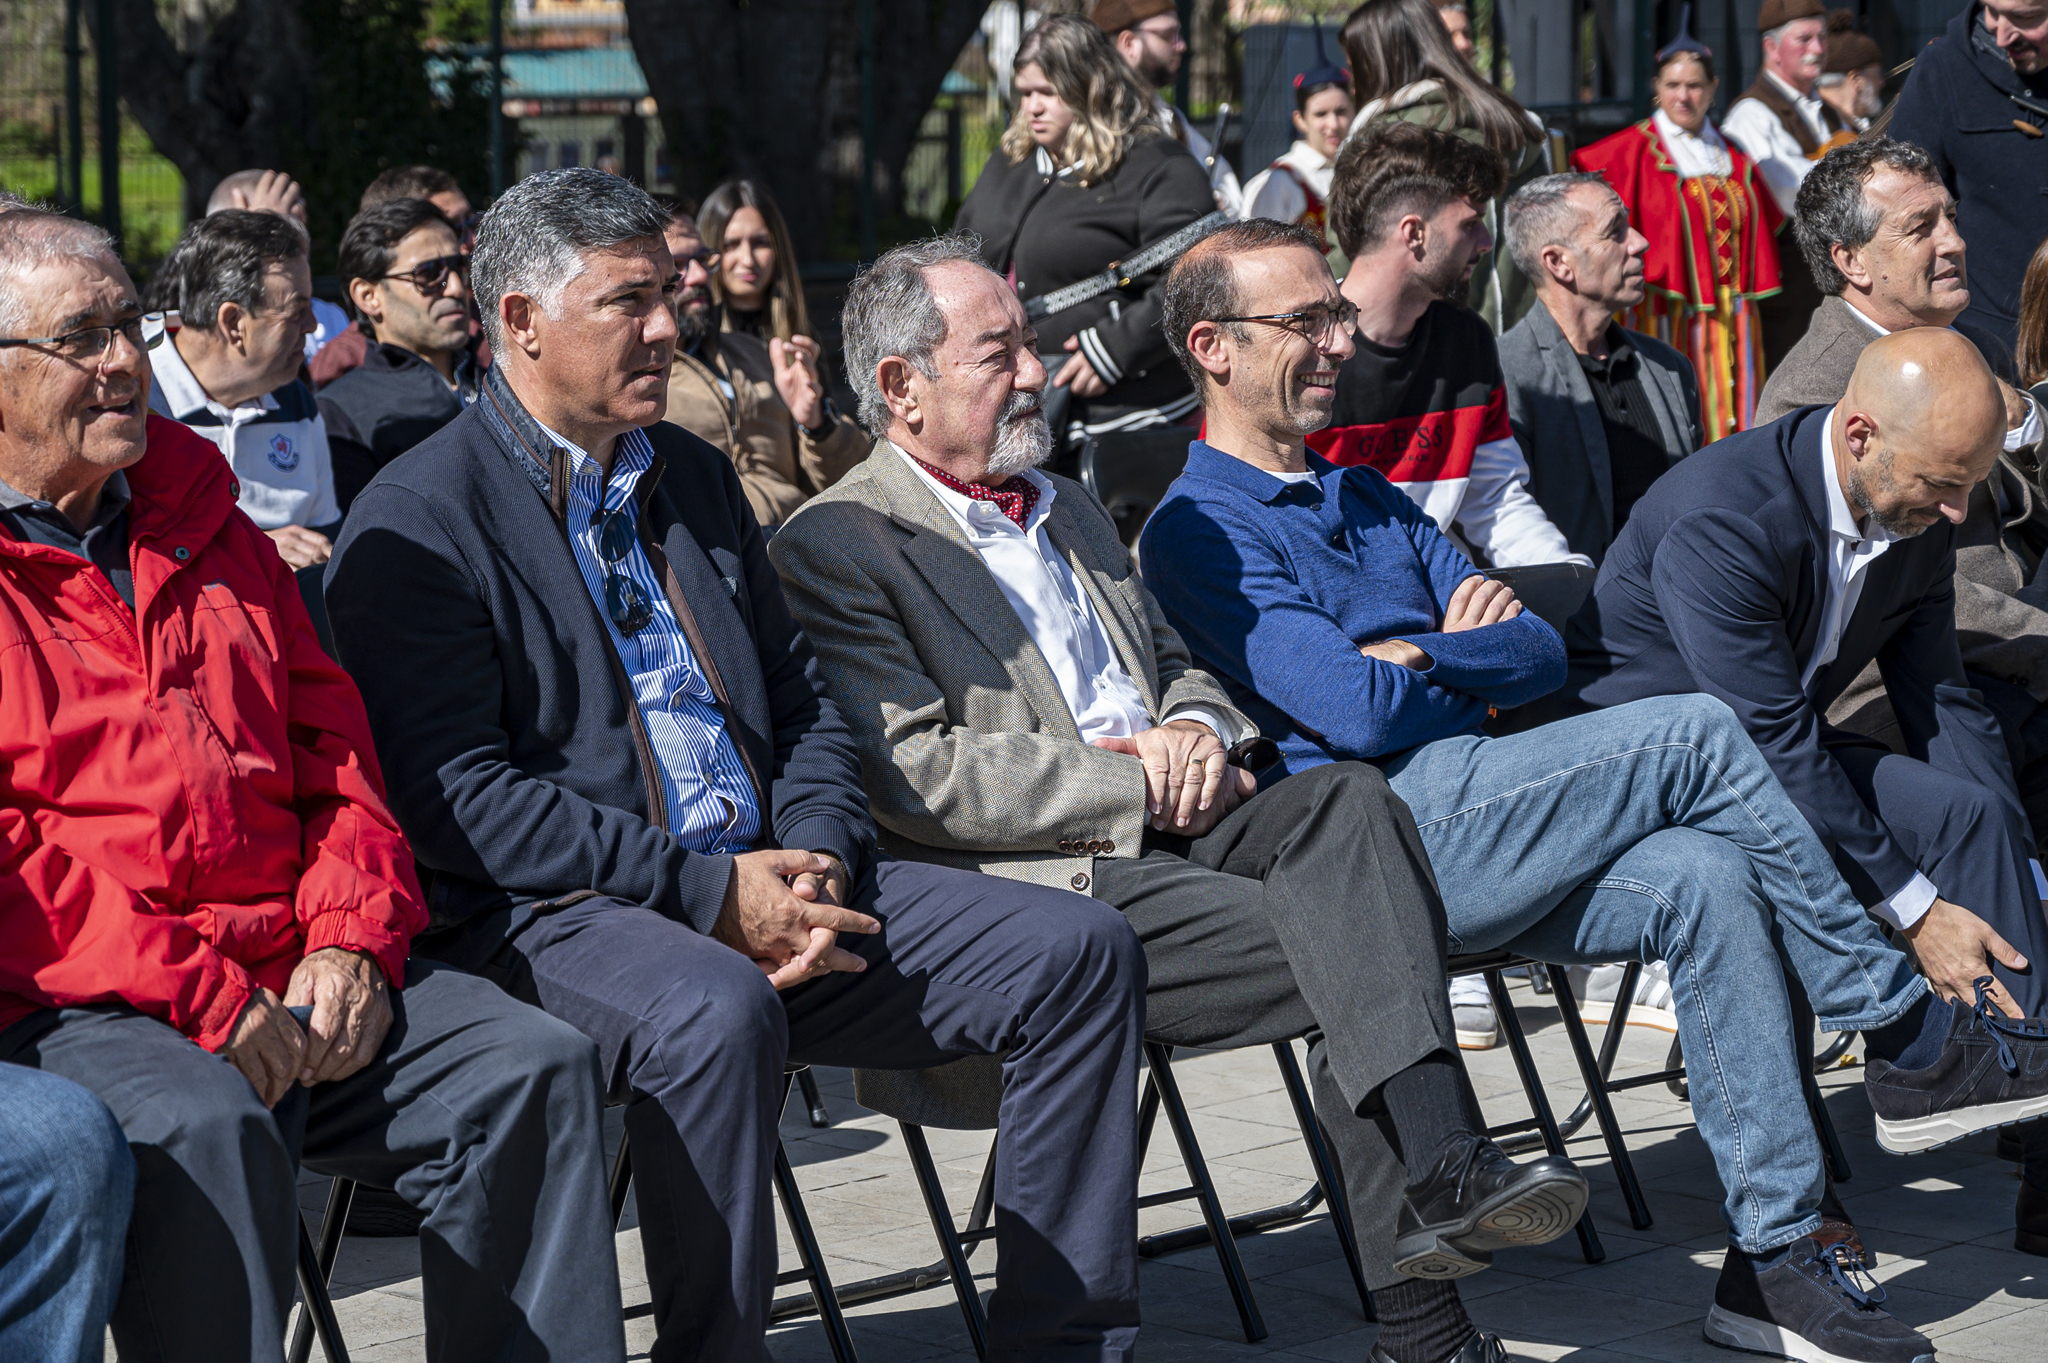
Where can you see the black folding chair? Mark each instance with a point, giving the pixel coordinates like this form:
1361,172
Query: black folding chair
1129,472
316,1265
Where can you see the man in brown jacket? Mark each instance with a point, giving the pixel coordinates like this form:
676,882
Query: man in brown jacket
763,403
1908,270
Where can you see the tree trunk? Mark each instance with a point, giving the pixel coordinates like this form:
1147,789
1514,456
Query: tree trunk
770,90
240,94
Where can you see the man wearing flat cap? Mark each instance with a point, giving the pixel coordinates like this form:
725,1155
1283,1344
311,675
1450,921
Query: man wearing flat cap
1852,75
1785,127
1148,37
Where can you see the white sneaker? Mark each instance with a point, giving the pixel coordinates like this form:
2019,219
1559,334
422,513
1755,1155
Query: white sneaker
1595,987
1472,1013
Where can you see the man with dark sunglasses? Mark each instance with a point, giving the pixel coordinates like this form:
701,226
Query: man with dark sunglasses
638,806
407,280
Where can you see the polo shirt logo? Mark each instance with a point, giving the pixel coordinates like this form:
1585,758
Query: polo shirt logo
283,455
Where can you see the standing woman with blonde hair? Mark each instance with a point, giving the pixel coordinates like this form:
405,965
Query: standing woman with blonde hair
757,281
1085,178
1405,66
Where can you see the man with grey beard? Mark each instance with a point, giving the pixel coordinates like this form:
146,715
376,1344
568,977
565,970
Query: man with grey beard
762,402
1022,708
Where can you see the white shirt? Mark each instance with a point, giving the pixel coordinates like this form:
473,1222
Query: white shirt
329,322
276,445
2026,433
1056,611
1222,179
1694,155
1779,157
1275,194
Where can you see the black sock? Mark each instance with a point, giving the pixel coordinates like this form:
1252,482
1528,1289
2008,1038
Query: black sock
1422,1320
1914,1041
1429,1105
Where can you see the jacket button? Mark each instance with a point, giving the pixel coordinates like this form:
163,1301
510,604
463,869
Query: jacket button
1066,844
181,553
1095,847
1108,847
235,490
1079,882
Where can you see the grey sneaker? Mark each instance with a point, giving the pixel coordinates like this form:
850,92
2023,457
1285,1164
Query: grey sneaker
1472,1015
1816,1306
1992,1071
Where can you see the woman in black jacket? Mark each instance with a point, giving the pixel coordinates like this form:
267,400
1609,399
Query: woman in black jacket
1084,177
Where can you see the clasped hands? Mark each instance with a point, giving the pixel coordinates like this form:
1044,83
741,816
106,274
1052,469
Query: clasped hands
1475,603
1189,782
783,912
351,1013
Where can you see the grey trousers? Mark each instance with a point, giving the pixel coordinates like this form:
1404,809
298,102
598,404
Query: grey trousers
1309,909
479,1110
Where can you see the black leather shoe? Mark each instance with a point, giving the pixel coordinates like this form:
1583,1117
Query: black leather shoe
1478,1349
2030,1215
1818,1305
1993,1071
1477,1200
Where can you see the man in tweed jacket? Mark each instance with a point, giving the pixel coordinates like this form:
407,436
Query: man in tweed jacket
1022,708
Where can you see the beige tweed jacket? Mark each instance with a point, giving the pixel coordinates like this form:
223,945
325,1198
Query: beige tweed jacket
971,756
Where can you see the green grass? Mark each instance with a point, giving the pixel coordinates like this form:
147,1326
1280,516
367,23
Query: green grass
152,191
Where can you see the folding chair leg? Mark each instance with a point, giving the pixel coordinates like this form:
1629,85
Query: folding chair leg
949,1238
813,1259
814,1101
332,1226
621,1181
318,1306
1539,1102
1160,1057
1326,1171
1596,1090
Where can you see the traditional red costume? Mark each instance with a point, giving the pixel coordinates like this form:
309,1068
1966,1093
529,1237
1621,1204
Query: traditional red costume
1713,253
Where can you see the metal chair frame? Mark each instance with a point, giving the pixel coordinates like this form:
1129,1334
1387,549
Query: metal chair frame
316,1264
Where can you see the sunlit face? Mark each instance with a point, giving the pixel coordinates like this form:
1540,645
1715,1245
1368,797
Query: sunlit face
1607,253
1458,20
1045,113
980,415
1154,48
1325,120
693,280
2020,28
603,352
1455,239
59,414
426,322
1859,94
1797,54
1914,262
1281,380
273,338
746,257
1913,484
1684,92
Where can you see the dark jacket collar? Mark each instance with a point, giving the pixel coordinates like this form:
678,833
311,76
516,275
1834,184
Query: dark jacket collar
386,358
1800,444
532,451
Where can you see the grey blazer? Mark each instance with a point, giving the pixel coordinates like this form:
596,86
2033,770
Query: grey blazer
1817,369
1557,423
971,756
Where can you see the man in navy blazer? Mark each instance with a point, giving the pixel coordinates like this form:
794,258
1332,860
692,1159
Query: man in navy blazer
1767,571
637,806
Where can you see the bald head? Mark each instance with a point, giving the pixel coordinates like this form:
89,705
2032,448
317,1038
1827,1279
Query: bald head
1920,425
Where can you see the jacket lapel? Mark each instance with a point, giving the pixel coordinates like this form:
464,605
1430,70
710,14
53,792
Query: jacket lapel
958,577
1565,368
1131,634
1802,453
1667,395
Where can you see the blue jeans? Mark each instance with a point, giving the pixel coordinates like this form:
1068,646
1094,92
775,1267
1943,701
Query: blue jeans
66,1180
1655,831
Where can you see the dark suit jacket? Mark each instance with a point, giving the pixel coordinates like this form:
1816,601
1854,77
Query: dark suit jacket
1718,584
517,762
1557,423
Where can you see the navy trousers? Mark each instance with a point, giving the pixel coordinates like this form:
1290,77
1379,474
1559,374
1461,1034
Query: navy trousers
693,1041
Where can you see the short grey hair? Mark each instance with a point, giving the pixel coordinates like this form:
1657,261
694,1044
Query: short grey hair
534,238
1541,214
1831,206
890,311
31,238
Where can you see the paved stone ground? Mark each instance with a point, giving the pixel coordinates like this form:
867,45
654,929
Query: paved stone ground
1942,1223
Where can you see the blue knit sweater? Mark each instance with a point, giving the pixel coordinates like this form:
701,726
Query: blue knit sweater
1276,585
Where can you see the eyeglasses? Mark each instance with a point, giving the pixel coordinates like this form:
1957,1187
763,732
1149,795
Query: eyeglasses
708,259
624,599
430,277
92,343
1319,326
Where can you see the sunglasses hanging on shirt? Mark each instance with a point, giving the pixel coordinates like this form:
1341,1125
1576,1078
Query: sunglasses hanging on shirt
625,600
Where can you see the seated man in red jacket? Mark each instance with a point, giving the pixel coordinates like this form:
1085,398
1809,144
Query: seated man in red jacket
205,907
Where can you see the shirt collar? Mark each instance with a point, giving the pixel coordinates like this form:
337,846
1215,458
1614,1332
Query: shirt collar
1842,520
1864,318
1206,461
184,394
961,505
1803,101
631,458
1706,136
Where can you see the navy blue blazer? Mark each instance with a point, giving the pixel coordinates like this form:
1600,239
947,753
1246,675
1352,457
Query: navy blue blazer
515,759
1718,584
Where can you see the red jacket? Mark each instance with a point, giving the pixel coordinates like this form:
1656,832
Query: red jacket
189,799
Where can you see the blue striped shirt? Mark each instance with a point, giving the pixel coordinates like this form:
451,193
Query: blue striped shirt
711,804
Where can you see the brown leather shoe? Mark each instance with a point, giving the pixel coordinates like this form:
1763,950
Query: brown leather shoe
2030,1213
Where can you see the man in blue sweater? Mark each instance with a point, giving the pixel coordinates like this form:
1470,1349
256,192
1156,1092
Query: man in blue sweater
1345,624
